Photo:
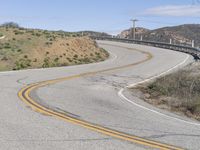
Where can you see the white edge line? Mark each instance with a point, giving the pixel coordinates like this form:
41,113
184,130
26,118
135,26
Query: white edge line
112,58
120,94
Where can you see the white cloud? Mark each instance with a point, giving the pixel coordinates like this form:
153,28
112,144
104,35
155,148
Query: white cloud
175,10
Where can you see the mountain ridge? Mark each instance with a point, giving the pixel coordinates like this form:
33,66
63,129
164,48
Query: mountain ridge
182,34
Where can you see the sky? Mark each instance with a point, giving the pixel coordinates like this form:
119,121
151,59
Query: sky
111,16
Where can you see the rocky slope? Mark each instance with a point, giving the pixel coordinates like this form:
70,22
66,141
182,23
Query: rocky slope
183,34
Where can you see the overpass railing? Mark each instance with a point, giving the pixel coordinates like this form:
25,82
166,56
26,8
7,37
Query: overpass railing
195,52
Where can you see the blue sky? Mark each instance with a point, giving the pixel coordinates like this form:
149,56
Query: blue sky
100,15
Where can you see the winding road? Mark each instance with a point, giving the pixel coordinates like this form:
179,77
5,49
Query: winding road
89,106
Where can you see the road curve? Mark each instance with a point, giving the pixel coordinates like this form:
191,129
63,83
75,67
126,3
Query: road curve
87,97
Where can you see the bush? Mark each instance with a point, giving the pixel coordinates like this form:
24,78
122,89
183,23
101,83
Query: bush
75,56
69,59
46,62
18,32
19,50
7,46
25,56
97,53
47,53
48,43
85,60
56,59
22,64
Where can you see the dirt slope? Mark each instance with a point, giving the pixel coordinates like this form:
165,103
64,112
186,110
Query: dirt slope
27,48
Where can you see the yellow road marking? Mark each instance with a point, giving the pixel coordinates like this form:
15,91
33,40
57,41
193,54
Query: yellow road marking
24,95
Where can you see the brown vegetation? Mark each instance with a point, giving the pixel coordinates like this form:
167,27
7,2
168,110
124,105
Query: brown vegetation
179,91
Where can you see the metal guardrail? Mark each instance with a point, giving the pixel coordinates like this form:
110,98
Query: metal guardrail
195,52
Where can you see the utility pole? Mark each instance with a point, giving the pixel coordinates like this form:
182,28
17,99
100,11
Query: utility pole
133,29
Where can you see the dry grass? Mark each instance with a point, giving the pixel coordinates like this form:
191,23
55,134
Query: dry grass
179,91
29,48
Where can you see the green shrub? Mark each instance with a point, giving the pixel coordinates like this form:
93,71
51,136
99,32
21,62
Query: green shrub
75,56
22,64
46,62
48,43
97,53
7,46
19,50
18,32
69,59
56,59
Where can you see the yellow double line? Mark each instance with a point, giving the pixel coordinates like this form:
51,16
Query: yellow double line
24,95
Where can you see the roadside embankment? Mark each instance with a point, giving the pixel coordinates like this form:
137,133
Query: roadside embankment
178,92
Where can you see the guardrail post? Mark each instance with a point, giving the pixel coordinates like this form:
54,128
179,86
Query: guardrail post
192,43
141,38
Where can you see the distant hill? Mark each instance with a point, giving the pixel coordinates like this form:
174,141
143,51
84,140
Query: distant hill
93,33
183,34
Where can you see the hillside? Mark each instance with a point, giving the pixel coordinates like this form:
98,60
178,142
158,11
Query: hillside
183,34
128,33
29,48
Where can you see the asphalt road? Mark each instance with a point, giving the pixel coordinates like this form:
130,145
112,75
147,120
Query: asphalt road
90,93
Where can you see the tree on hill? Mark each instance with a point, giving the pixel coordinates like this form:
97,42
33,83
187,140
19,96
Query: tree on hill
10,24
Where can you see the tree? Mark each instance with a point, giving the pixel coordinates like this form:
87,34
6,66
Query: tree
10,24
